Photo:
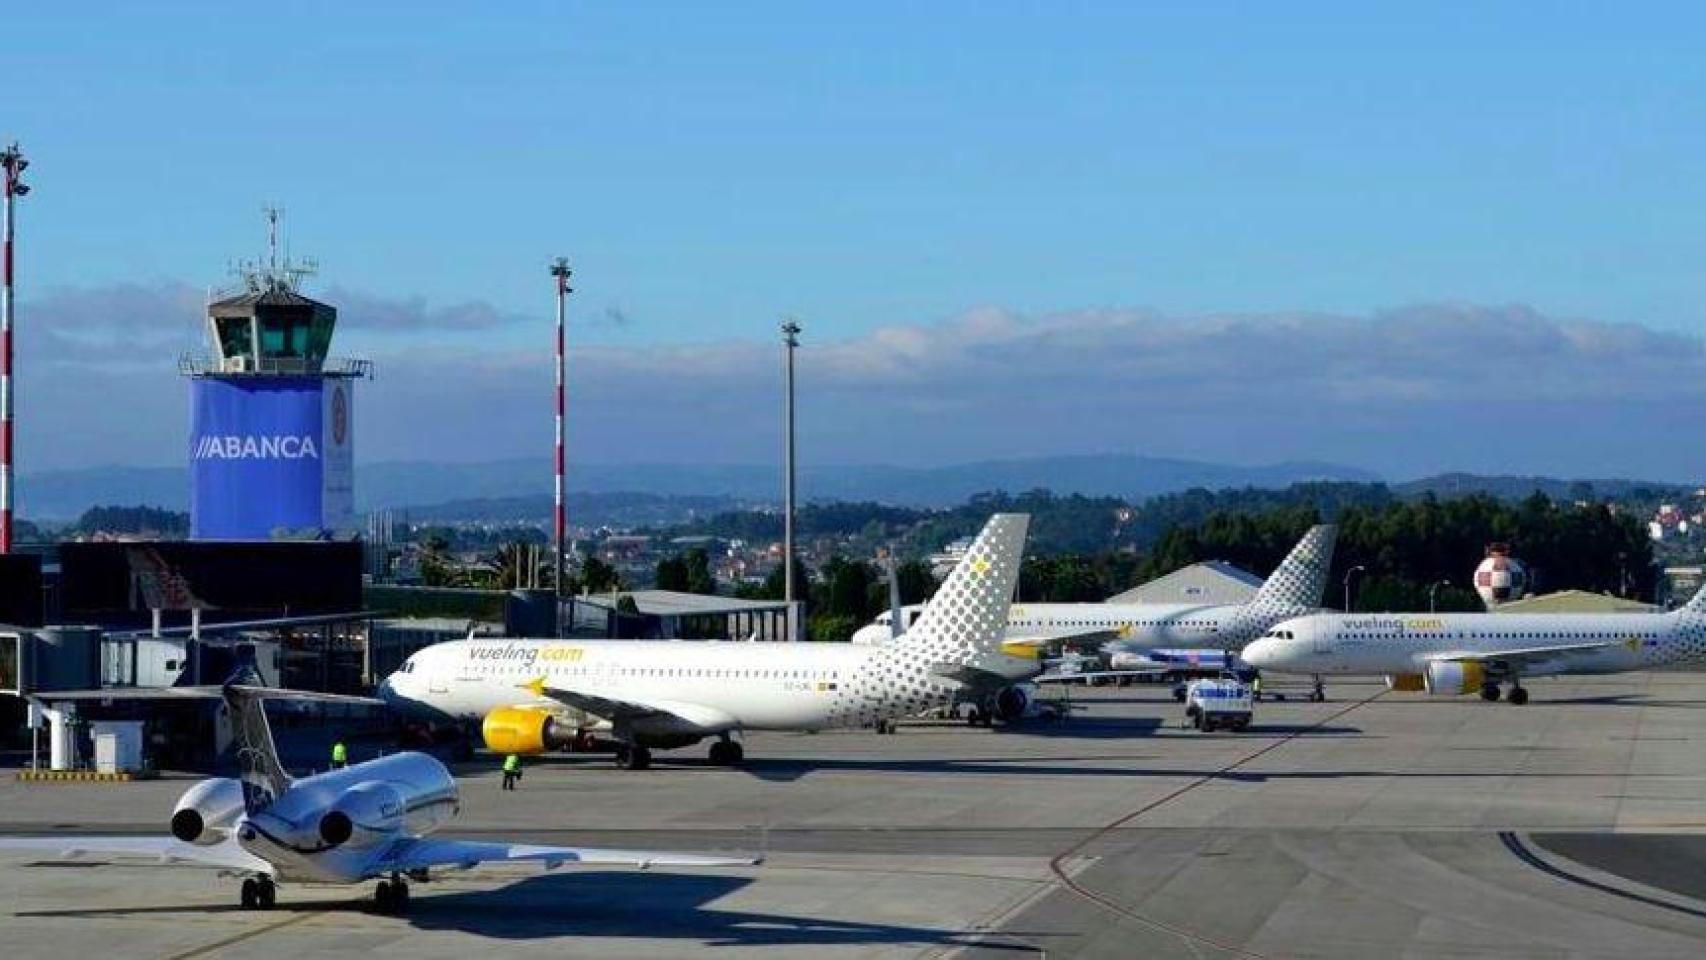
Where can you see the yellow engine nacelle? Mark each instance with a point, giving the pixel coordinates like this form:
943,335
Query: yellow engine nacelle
523,731
1452,678
1406,682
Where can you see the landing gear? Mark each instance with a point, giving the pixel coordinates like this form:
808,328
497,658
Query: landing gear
1318,693
259,893
1490,692
392,896
1518,695
632,756
885,727
727,753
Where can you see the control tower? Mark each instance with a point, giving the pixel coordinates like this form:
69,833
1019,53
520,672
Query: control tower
272,416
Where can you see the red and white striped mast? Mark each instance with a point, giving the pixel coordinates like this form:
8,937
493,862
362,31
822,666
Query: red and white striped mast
13,163
559,521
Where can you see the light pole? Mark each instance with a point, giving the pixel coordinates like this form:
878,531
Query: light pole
559,520
790,340
1432,588
1359,568
13,163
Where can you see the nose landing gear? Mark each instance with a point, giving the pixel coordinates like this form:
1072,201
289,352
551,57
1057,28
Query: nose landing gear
727,753
259,893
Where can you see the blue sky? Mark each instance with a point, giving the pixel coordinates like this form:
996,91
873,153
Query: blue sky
710,166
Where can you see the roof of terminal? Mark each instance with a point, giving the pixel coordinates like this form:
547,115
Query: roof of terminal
670,603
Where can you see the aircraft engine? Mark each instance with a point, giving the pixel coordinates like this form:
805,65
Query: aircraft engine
524,731
366,813
1451,678
1011,703
1406,682
206,811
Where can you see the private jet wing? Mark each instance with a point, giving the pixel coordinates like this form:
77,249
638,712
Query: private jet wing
1531,655
226,855
465,854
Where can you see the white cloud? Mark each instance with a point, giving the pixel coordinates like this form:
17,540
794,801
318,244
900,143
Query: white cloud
1404,391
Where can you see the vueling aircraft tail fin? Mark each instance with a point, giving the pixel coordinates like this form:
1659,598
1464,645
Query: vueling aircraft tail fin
1298,582
967,617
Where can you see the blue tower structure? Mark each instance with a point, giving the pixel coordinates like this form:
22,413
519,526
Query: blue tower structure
272,416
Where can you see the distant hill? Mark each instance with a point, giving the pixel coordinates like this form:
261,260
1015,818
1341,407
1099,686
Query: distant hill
520,489
65,494
1447,485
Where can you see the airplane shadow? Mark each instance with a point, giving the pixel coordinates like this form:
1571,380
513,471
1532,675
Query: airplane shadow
648,905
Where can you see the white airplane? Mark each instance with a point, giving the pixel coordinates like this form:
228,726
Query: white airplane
1294,589
1129,636
1457,653
351,825
531,696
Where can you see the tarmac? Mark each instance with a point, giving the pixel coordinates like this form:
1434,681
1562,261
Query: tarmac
1373,825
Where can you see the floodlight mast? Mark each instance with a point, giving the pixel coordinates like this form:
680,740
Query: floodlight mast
559,520
13,164
790,341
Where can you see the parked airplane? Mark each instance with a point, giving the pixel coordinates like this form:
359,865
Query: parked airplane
1130,638
1457,653
1294,589
364,821
531,696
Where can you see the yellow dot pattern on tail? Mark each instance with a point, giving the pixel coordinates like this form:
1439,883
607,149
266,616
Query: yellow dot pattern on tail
962,623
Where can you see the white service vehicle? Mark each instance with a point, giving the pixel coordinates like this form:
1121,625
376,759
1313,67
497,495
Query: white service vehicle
1212,704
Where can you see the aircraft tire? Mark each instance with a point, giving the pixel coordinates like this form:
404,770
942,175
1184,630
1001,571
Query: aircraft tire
1490,692
382,897
266,894
1518,696
250,897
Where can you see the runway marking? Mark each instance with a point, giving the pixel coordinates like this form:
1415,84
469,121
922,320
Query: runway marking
203,951
1190,937
1520,850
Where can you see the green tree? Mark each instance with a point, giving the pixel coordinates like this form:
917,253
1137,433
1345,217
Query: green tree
598,576
696,566
672,574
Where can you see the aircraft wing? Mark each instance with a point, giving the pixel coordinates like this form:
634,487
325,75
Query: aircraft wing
1075,637
1537,654
1096,675
678,714
465,854
606,707
226,855
970,676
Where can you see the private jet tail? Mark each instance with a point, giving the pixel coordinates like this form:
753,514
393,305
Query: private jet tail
965,619
263,776
1297,583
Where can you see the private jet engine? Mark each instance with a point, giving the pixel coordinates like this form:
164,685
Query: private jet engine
366,813
1450,678
524,731
205,813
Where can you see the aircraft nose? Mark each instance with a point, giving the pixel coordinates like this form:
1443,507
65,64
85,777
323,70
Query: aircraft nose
1263,654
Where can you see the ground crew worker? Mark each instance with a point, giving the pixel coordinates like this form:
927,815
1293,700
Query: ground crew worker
512,771
1256,687
340,754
